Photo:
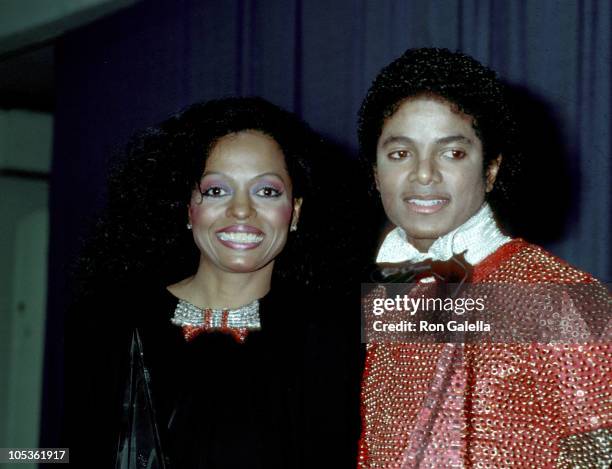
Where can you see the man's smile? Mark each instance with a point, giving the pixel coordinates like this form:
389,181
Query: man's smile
426,204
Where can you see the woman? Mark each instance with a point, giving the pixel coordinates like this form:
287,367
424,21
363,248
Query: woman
193,303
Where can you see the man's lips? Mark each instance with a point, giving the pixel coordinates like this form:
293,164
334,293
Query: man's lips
426,204
240,236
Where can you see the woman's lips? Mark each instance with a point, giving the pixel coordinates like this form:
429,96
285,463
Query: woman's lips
241,237
426,204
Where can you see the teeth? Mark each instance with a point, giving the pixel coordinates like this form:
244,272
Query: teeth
240,237
426,203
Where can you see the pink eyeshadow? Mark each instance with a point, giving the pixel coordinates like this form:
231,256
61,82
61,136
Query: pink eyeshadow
208,183
272,183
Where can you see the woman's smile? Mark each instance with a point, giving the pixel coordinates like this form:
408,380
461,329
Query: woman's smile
240,237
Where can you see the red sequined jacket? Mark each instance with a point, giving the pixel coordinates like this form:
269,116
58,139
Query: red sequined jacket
500,404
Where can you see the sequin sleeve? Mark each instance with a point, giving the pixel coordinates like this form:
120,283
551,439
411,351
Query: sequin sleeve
575,383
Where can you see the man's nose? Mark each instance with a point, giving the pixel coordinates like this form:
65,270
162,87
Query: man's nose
241,206
426,171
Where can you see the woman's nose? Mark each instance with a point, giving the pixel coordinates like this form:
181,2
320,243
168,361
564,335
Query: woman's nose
240,206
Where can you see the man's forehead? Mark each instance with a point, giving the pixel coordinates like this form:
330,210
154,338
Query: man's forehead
427,119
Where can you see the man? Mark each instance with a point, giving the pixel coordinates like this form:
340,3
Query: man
440,136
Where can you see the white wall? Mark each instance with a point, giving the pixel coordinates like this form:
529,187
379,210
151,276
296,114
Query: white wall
25,140
25,144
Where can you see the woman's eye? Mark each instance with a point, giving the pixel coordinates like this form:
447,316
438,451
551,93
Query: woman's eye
214,191
454,154
399,154
268,191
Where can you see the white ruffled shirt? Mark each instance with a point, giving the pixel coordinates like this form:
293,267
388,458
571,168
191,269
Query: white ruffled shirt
479,236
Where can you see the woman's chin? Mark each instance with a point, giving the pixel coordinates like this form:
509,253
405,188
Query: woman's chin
242,267
239,263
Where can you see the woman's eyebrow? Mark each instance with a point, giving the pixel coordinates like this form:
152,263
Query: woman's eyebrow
213,173
268,174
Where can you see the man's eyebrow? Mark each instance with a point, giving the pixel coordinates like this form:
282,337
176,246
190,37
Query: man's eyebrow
393,139
454,138
403,140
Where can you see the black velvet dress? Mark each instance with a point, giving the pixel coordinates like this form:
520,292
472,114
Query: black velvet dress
282,399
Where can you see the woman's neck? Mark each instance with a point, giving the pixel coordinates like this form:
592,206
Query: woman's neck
212,287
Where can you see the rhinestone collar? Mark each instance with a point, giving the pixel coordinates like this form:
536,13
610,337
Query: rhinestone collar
479,237
237,322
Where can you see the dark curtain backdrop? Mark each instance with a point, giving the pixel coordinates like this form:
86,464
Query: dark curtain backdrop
318,57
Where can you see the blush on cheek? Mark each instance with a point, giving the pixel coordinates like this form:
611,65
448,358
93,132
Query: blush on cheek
197,212
193,212
285,212
280,214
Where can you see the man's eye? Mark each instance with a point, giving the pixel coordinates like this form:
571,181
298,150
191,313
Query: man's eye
214,191
454,154
399,154
268,191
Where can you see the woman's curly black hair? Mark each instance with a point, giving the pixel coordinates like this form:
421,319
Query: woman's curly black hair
469,86
142,237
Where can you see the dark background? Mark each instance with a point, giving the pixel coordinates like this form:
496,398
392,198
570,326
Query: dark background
317,58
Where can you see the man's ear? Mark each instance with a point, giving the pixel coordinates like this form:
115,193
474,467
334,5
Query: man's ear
295,218
491,173
375,171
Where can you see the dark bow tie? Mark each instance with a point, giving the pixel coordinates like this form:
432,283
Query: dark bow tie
455,271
